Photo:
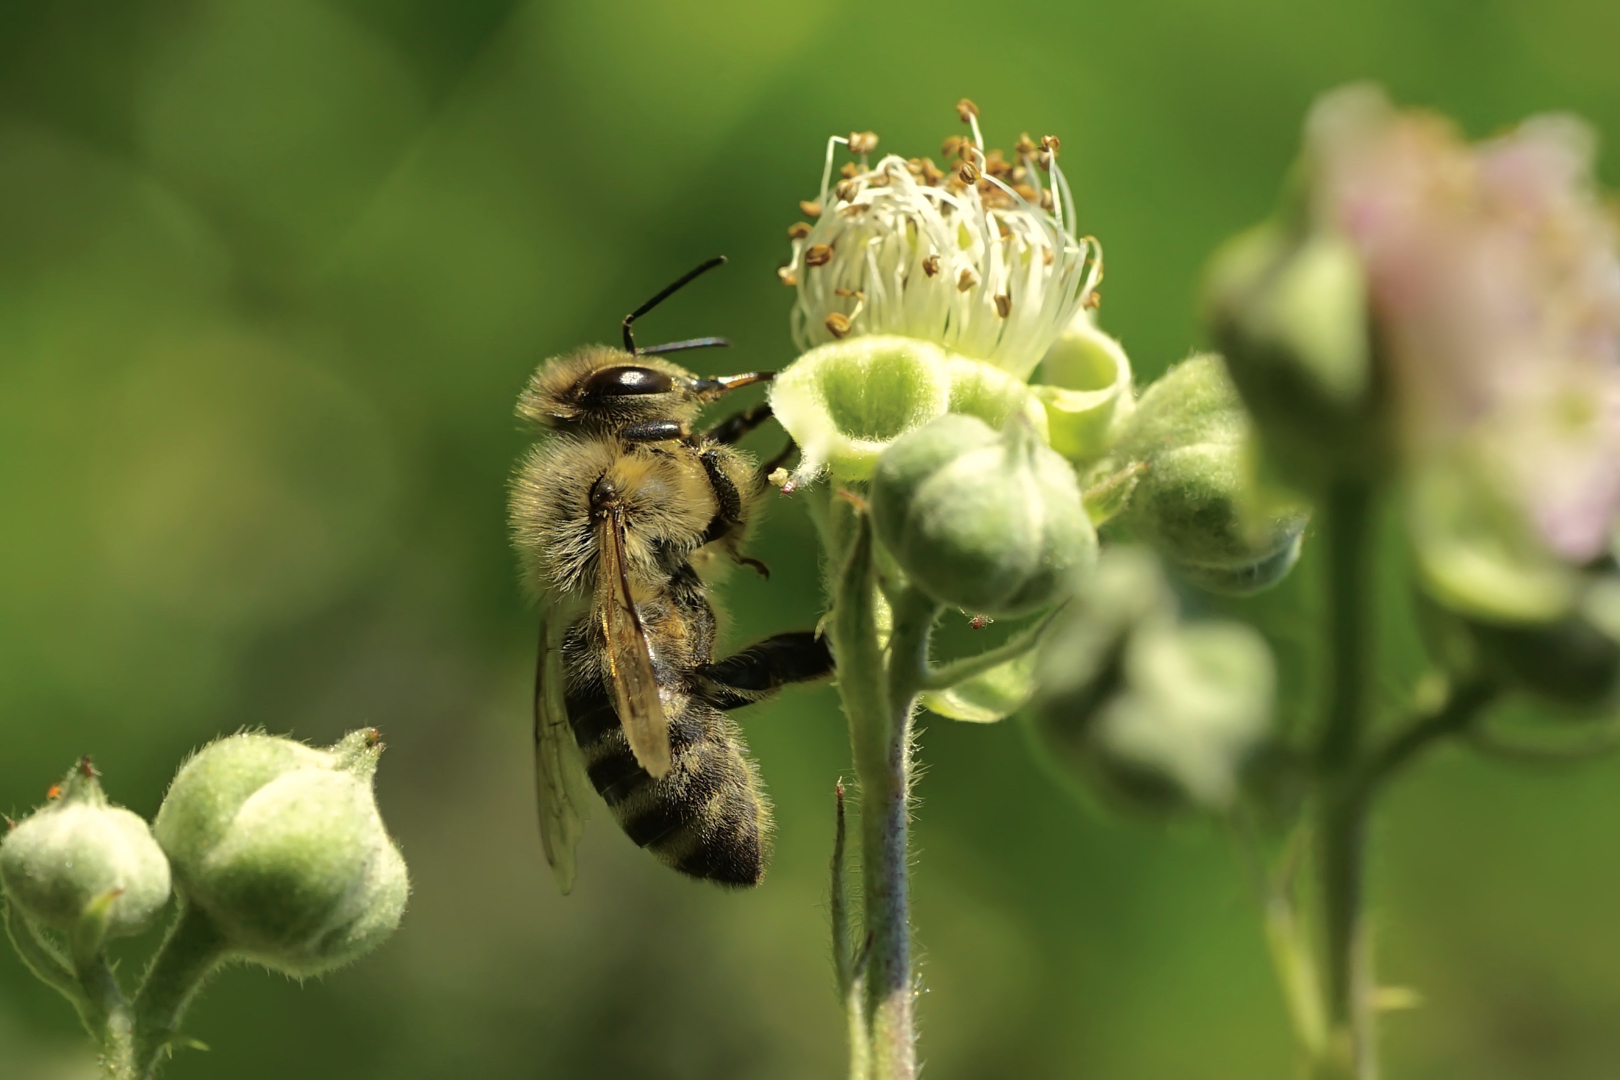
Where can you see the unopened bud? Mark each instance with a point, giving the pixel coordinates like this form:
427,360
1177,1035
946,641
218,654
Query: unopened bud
983,520
78,852
1289,310
1160,712
1196,499
281,846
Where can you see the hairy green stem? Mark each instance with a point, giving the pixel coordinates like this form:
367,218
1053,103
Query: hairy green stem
880,729
190,953
1342,801
945,676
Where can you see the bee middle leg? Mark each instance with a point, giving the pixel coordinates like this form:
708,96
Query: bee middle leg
735,426
764,667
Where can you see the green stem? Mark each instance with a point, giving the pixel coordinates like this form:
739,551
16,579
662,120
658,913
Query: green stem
880,729
1342,805
191,952
945,676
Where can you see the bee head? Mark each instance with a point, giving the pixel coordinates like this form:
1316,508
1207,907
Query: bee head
636,395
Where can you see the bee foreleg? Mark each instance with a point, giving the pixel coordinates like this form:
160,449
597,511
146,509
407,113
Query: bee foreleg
765,666
734,427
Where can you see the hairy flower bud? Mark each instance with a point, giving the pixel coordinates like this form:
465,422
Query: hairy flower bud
79,852
845,402
281,846
983,520
1288,309
1195,498
1086,388
1159,712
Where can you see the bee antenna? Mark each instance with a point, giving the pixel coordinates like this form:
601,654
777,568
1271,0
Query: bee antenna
664,294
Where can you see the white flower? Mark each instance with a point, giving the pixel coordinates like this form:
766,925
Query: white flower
1494,283
967,258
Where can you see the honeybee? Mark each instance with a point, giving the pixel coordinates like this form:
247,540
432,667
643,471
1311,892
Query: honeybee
615,517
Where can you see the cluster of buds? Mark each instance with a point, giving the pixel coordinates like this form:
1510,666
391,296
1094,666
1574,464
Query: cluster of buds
1450,314
274,849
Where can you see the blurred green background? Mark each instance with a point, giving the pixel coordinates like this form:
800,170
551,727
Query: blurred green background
271,275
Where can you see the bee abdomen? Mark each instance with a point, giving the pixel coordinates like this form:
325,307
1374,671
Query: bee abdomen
707,818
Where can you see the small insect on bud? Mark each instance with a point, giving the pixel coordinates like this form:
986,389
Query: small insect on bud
966,173
281,846
798,230
983,520
966,110
78,857
930,265
818,255
862,142
838,324
1003,305
967,279
810,208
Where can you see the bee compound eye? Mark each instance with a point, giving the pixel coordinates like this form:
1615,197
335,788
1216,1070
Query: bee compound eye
625,380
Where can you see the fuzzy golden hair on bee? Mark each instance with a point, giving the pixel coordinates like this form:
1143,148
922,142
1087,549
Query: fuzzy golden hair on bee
605,388
663,494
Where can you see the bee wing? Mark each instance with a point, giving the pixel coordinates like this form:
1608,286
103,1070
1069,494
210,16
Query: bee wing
559,771
635,686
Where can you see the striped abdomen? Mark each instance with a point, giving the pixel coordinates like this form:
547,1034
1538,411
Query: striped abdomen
707,817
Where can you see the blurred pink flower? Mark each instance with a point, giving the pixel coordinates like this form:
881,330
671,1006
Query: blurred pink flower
1495,291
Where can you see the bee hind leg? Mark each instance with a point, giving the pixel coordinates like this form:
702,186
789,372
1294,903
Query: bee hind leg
753,673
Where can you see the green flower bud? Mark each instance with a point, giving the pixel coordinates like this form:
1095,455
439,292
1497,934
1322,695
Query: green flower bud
1288,307
1195,498
1159,712
77,853
1572,660
982,520
846,401
1086,389
281,846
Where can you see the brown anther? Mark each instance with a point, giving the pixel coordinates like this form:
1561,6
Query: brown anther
1052,143
862,142
966,110
856,293
1003,305
818,255
810,209
1019,175
1092,302
838,324
1048,256
997,165
788,275
1046,199
798,230
1004,228
953,146
914,166
849,169
967,173
931,265
1025,192
1025,145
1044,160
967,280
847,190
931,173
